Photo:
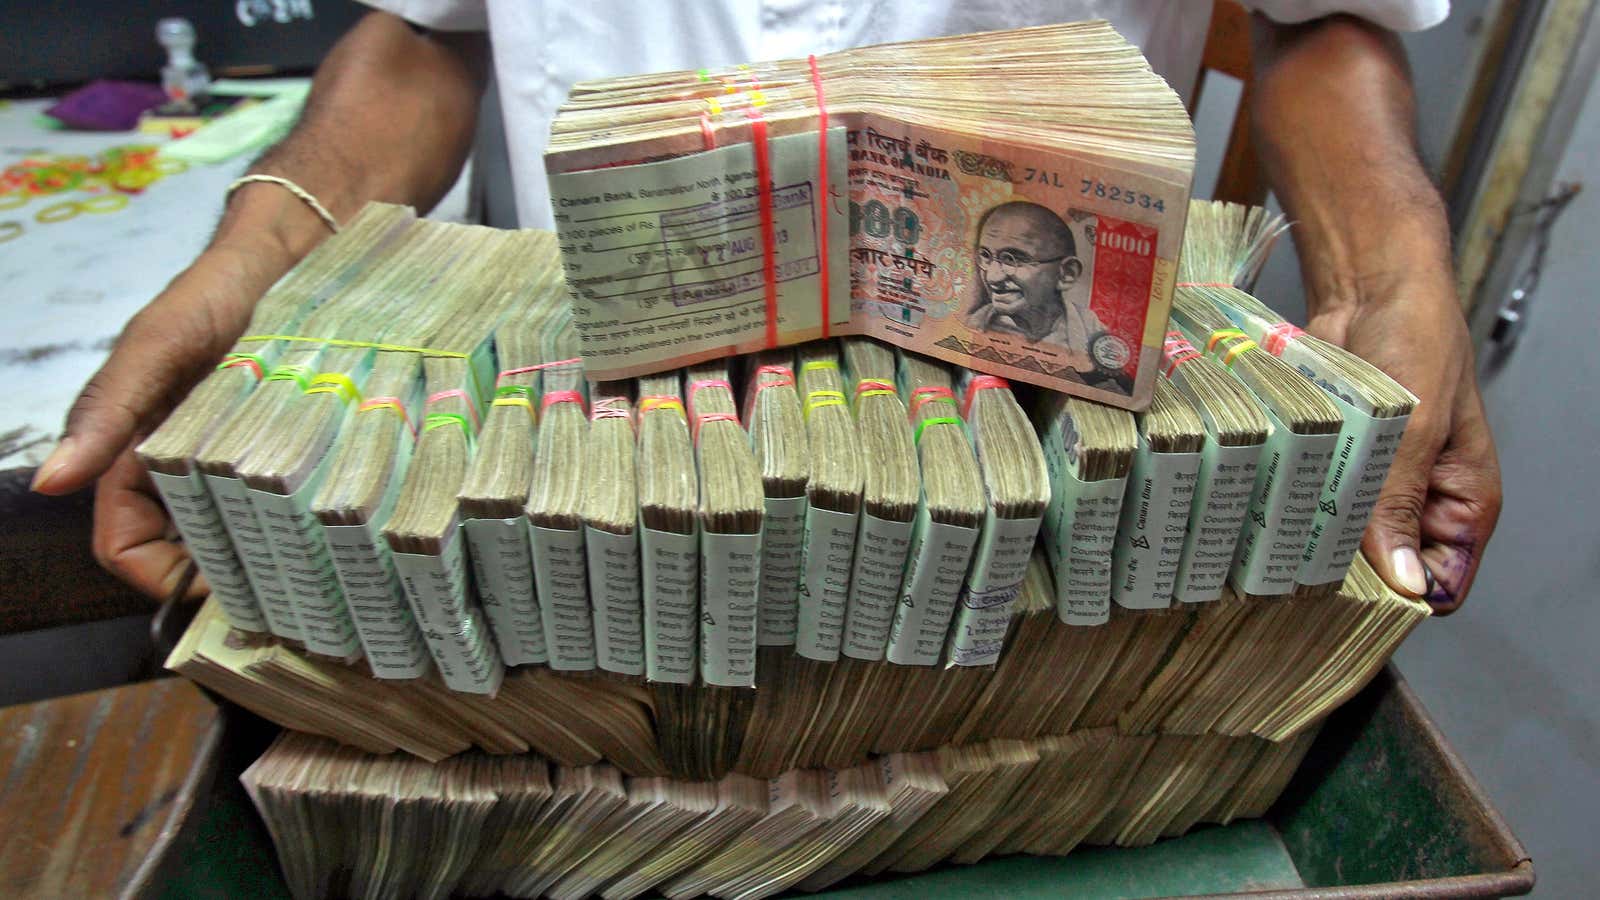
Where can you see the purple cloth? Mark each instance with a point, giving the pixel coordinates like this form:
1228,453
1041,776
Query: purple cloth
107,105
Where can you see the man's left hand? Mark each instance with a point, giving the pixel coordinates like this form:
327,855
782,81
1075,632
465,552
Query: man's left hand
1442,499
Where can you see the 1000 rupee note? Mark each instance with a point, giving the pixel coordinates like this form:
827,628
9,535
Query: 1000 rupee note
1042,266
1036,265
1050,268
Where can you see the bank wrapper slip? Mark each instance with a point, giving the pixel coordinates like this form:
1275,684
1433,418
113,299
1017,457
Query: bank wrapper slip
708,213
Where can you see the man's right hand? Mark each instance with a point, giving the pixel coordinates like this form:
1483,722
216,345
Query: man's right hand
390,117
162,352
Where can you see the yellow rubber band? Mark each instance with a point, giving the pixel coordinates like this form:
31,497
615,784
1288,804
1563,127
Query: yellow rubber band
59,212
818,364
105,203
876,392
1235,350
650,404
337,342
1222,334
819,399
337,384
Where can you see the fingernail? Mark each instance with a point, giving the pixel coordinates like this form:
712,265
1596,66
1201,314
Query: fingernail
52,465
1407,567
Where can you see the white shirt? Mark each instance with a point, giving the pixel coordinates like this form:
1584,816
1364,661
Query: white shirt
542,46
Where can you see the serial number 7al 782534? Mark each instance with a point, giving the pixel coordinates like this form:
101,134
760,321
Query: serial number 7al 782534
1098,188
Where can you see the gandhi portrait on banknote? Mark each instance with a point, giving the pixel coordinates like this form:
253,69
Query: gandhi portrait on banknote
1028,270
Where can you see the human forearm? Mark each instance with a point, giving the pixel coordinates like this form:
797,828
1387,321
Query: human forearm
390,117
1333,116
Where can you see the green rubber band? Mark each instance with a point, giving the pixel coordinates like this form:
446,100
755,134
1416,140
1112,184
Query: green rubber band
938,420
297,374
438,420
513,390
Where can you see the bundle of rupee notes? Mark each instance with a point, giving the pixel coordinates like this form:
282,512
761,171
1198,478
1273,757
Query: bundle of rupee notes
768,617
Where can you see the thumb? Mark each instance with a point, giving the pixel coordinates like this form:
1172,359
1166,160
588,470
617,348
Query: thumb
160,353
1393,538
163,349
121,397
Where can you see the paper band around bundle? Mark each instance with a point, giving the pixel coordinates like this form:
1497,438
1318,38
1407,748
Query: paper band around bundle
761,148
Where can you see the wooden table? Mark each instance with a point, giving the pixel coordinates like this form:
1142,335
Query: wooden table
97,787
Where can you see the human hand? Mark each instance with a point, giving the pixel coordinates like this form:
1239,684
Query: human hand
1442,499
161,353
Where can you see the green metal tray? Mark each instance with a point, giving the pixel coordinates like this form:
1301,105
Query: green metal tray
1382,808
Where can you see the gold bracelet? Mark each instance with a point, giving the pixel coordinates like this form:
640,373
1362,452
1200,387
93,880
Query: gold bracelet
295,189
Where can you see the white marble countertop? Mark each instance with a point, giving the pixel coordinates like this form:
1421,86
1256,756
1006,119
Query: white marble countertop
68,287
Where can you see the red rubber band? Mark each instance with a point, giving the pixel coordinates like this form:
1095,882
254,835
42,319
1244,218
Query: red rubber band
708,133
925,395
822,191
1211,284
981,383
1278,336
872,384
238,361
785,379
769,231
551,398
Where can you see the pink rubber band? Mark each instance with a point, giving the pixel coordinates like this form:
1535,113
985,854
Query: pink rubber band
525,369
697,386
393,403
472,406
1279,335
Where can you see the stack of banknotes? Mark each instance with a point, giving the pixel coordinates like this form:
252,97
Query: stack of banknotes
405,463
1010,201
351,824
